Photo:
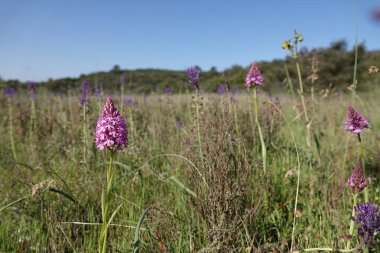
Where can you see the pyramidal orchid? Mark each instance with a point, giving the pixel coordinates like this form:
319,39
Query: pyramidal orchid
254,76
111,130
111,134
357,180
356,123
254,79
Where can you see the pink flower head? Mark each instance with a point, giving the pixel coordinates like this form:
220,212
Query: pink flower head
254,76
357,180
111,130
355,121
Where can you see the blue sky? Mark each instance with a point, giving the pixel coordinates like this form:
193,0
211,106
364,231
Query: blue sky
43,39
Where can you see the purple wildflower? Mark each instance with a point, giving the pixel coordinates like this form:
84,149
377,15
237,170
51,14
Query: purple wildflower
193,75
9,91
123,80
98,92
84,92
168,90
355,121
357,181
31,85
129,101
111,130
367,216
179,123
69,87
254,76
221,89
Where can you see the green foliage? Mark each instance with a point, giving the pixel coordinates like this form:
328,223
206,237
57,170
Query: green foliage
336,68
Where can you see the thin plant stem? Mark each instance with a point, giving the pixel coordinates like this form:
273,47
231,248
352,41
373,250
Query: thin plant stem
84,133
105,204
132,135
362,161
252,122
354,198
326,249
355,81
11,129
308,135
263,147
198,128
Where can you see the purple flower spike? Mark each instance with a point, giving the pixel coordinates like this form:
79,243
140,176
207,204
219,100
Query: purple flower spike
193,75
98,92
221,89
123,80
355,121
31,85
254,76
111,130
168,90
179,123
129,101
357,180
9,91
84,91
367,216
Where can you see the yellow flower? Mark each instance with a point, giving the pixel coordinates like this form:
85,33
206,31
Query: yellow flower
286,44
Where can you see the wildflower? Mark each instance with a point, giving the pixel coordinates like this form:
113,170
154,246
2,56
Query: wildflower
129,101
357,181
168,90
69,87
31,85
254,76
285,44
373,69
98,92
355,121
123,80
193,75
32,88
179,123
221,89
367,216
84,91
9,91
111,130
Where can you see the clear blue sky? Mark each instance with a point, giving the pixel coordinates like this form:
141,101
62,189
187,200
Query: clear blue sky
57,38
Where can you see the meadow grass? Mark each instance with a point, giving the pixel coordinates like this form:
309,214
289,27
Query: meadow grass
50,197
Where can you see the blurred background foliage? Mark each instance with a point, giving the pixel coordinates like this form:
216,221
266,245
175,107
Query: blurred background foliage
334,71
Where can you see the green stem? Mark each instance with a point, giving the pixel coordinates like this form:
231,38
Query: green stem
308,135
105,204
362,161
355,81
11,128
84,134
352,223
252,122
263,147
198,128
237,128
